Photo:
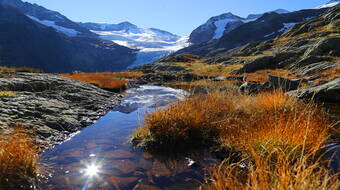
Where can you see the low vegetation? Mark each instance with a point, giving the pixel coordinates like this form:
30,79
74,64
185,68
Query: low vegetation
18,159
206,85
6,94
209,70
110,81
20,69
237,120
278,174
329,74
273,141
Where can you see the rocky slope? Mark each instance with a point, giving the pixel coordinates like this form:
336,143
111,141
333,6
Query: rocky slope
306,54
26,43
306,48
52,107
268,26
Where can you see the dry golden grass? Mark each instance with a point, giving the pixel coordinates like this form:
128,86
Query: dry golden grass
238,121
18,158
20,69
114,81
204,69
263,75
7,94
206,85
279,137
281,174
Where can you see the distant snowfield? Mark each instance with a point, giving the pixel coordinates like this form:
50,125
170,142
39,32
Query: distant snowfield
152,44
330,4
220,27
67,31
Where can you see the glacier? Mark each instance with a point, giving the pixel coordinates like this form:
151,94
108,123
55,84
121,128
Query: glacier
152,44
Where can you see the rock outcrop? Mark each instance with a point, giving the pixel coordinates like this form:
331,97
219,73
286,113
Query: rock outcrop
53,107
329,92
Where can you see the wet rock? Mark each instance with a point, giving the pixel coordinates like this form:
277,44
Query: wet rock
122,182
54,107
119,154
160,169
125,166
329,92
141,186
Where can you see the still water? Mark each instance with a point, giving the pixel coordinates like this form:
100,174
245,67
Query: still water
101,156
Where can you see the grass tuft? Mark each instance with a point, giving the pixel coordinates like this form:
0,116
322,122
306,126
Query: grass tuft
275,140
19,69
109,81
18,158
7,94
238,120
266,174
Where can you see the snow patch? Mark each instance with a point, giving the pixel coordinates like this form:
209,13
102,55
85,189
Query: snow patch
220,27
286,26
328,5
67,31
269,34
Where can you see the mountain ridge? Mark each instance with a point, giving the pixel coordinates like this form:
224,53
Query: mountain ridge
219,25
26,43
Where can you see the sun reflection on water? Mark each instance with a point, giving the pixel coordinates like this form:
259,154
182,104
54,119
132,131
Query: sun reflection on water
92,170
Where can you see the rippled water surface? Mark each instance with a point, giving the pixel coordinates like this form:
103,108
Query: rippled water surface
101,157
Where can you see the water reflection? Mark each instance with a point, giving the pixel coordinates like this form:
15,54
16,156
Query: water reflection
91,170
101,157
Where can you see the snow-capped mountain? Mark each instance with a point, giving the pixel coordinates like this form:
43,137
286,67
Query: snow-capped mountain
331,3
268,26
152,43
49,18
217,26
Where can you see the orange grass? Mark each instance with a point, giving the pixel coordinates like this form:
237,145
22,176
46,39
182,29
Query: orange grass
263,75
18,158
239,121
279,137
281,175
103,80
329,74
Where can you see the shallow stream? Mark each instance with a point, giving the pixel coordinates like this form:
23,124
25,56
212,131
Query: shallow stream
101,156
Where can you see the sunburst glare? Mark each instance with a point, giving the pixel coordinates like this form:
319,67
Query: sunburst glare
92,170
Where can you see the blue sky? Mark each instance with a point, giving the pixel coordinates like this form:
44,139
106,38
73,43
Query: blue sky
176,16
